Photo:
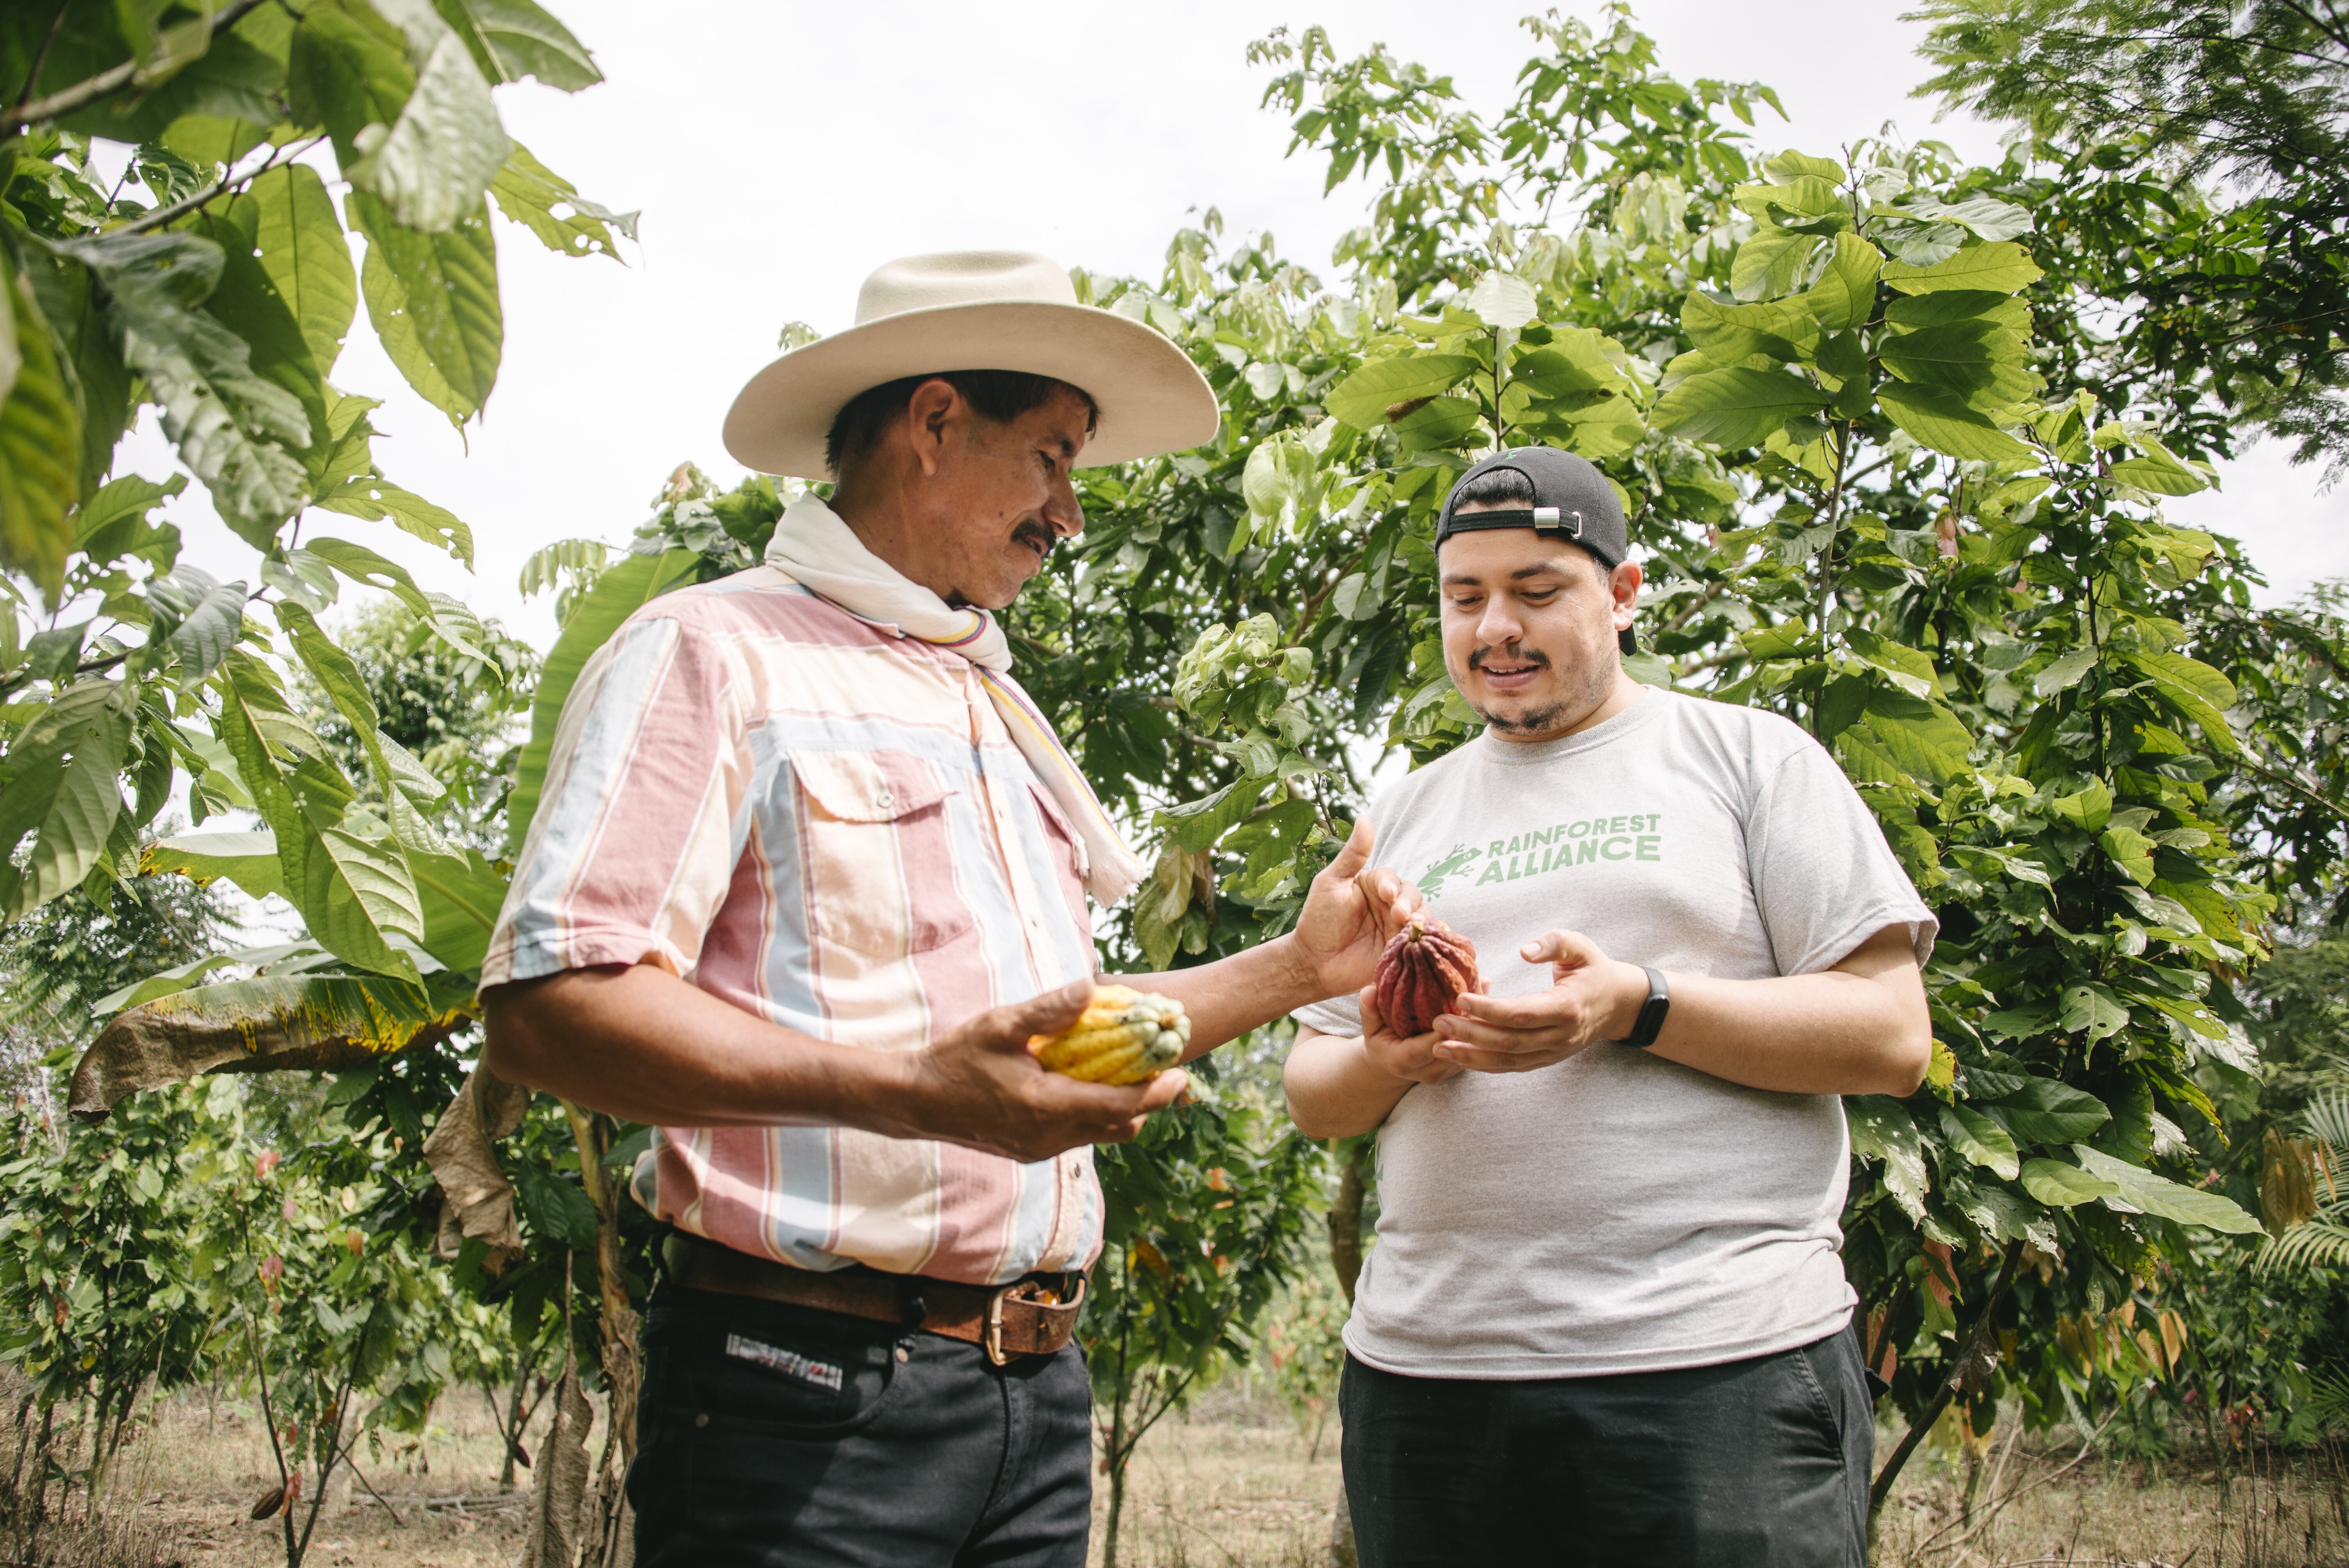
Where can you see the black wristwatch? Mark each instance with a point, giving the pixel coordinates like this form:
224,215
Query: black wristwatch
1651,1011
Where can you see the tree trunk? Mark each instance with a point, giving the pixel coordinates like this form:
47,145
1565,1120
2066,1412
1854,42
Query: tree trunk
1115,1457
1346,1226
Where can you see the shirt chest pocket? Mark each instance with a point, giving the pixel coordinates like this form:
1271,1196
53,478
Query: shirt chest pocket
876,834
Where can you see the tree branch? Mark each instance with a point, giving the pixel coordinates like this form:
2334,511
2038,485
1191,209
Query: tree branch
106,83
1972,1369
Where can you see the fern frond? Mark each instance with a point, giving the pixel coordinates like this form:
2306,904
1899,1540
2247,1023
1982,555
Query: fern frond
2318,1243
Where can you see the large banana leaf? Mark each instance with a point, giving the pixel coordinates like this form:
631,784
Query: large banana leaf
331,1022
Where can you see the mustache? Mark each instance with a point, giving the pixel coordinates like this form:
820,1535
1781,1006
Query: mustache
1534,657
1034,533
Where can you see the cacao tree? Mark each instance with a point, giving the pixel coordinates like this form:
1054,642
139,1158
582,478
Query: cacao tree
1895,473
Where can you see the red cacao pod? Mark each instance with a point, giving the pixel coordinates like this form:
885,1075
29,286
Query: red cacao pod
1423,971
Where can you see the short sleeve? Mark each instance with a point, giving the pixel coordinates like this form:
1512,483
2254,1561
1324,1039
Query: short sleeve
633,844
1823,879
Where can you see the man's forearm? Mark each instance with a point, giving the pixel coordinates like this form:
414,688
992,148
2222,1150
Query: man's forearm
1827,1033
1231,996
639,1043
1335,1090
642,1044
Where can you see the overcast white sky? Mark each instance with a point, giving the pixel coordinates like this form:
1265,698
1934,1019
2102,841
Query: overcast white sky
778,151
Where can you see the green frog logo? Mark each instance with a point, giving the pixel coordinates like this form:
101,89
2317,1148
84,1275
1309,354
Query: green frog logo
1432,880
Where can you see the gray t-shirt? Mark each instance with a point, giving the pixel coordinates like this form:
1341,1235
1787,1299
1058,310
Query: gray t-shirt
1618,1212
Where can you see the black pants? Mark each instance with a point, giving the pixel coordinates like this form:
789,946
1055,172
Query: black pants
1751,1463
779,1435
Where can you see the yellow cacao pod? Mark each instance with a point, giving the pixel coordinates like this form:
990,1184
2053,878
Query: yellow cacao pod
1123,1036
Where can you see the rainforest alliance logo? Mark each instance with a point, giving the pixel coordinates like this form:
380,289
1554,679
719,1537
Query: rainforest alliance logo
1582,842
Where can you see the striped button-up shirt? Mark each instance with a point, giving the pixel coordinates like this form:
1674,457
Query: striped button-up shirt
825,823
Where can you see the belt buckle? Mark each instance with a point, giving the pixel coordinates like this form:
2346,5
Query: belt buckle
991,1337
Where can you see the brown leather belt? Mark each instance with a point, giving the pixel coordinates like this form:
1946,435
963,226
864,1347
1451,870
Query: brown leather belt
1032,1316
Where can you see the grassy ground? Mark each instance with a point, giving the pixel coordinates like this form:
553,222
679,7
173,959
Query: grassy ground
1233,1484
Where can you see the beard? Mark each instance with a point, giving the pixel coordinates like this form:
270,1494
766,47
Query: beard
1587,685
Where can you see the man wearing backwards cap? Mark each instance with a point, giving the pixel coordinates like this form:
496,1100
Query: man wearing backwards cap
808,871
1606,1321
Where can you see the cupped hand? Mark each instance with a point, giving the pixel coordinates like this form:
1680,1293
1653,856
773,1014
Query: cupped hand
1350,913
977,1085
1412,1058
1591,998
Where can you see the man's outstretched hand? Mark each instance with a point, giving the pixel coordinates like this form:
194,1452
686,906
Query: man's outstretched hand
1350,915
977,1085
1591,998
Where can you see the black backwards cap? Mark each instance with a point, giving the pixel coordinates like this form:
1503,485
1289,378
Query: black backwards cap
1572,501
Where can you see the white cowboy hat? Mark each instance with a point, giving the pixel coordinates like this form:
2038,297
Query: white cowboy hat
976,310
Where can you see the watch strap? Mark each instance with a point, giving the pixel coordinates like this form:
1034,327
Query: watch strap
1651,1022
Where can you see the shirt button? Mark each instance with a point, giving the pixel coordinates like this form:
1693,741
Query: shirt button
702,1419
903,1353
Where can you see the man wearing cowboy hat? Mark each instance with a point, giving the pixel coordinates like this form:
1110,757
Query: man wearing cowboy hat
808,871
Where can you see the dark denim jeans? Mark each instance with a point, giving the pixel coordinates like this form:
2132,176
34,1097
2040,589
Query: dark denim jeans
1748,1464
771,1434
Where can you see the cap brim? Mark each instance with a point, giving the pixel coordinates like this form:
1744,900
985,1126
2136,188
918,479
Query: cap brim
1150,397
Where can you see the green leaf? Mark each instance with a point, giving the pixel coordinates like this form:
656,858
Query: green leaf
61,778
2090,809
288,218
1363,399
2195,689
1771,263
373,498
1735,408
1500,300
1947,306
2133,852
2063,1186
1947,423
208,628
113,522
555,1208
1881,1129
247,302
1727,334
2093,1007
362,566
236,429
1910,670
1981,361
1195,825
1845,296
433,298
1440,422
432,165
2001,266
1980,1139
512,40
171,982
460,895
353,893
2045,1111
622,590
2142,1189
247,859
40,438
1988,217
1793,165
2158,474
2065,672
528,192
1924,739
